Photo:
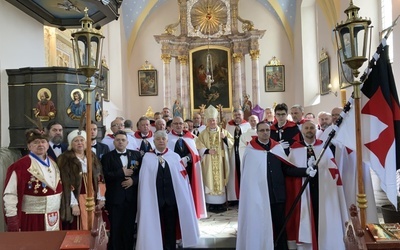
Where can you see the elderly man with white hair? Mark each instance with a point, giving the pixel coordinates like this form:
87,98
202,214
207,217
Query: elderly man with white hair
164,200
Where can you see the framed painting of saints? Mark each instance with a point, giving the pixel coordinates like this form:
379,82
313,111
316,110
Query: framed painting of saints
210,77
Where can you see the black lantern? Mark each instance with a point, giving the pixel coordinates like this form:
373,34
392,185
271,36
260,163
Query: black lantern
353,36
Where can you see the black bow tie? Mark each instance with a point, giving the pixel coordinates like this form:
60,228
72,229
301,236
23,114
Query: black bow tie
94,146
56,146
122,154
160,154
180,135
196,126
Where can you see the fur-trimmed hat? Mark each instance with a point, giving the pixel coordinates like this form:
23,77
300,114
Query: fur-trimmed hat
73,134
33,134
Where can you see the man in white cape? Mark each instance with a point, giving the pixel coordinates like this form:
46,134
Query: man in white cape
180,210
262,193
191,160
305,227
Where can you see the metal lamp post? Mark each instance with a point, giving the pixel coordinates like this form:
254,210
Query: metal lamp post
87,45
353,36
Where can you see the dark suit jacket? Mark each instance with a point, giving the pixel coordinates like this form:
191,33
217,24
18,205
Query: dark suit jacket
51,153
114,176
101,149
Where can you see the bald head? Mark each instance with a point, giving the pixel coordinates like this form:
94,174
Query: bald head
253,120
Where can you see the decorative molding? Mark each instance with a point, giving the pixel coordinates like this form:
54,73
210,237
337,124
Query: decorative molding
255,54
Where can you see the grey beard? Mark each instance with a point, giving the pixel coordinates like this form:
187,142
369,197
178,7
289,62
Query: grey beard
57,139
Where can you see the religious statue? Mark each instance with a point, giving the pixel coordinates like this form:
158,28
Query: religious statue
246,106
177,109
149,113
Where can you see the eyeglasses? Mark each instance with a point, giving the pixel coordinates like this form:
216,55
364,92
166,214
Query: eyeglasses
117,125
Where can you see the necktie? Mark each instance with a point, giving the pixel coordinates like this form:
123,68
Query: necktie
56,146
122,154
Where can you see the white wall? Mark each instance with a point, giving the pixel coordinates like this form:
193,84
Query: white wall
21,45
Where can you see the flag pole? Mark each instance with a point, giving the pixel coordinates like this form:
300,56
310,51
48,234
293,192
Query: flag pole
337,124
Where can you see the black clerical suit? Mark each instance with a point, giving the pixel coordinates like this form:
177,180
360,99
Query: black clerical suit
121,203
277,170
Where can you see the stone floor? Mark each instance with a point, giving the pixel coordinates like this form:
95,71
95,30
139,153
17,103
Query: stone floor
218,230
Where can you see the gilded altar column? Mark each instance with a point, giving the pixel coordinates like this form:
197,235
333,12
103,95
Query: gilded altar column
237,83
167,79
184,85
255,81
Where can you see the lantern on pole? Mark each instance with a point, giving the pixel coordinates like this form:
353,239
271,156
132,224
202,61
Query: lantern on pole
87,48
353,37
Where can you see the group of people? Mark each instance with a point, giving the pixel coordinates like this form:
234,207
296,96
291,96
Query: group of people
163,177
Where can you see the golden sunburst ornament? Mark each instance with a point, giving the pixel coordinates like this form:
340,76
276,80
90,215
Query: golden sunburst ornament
207,16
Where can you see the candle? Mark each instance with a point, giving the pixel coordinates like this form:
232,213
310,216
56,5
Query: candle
343,97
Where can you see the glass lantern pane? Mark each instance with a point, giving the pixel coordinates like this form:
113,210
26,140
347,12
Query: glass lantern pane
83,52
345,42
359,33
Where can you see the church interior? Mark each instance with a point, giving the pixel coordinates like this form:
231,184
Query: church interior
155,53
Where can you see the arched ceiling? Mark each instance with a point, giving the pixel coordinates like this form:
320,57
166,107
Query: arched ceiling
134,13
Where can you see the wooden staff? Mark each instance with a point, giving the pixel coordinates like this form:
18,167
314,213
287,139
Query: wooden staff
219,107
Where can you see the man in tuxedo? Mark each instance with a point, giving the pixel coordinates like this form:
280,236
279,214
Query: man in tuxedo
121,172
98,148
55,133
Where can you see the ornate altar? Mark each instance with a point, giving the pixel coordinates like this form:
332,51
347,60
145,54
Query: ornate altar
206,26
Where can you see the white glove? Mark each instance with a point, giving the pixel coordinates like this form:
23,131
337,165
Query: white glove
284,144
311,162
185,161
311,171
